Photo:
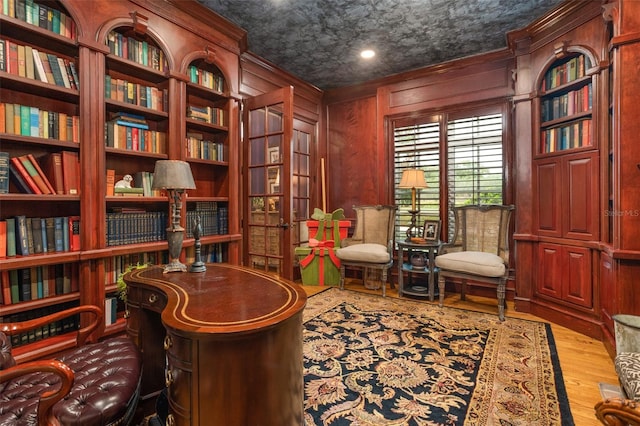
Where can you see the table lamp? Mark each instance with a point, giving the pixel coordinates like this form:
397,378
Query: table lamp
412,178
174,176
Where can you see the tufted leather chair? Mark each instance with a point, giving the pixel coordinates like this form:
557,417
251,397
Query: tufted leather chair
90,384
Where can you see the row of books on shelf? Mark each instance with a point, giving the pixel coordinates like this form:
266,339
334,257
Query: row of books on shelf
573,102
209,253
41,15
212,221
57,173
39,282
208,114
566,72
24,236
575,135
25,120
129,131
198,147
137,94
63,326
133,226
27,61
206,78
139,51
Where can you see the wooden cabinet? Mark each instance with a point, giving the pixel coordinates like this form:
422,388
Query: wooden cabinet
567,189
565,273
145,74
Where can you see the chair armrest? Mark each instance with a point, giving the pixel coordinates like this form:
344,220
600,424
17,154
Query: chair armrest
12,328
618,412
449,248
49,398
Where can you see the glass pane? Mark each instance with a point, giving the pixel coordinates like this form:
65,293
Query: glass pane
304,165
275,121
256,123
274,150
256,181
257,204
256,151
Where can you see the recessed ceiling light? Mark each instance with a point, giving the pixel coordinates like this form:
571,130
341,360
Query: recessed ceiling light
367,54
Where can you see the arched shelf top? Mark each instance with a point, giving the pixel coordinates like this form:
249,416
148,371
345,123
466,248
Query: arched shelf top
563,53
206,60
132,27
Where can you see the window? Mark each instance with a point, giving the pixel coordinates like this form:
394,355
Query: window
473,164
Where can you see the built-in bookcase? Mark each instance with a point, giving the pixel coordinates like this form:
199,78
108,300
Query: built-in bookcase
566,105
131,76
40,119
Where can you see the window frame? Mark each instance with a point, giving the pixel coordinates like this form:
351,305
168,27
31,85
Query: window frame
444,116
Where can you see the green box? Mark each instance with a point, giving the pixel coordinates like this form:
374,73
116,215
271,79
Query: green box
314,260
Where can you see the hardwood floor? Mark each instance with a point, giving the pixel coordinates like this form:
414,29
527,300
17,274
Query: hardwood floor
584,361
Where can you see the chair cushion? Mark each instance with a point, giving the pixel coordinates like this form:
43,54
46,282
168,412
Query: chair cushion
365,253
628,369
472,262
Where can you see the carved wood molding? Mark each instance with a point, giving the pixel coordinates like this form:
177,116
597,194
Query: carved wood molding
140,22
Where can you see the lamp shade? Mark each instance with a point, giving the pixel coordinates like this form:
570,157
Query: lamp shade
172,174
413,178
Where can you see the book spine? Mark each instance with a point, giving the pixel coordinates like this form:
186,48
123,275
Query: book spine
17,164
4,172
45,179
11,236
30,168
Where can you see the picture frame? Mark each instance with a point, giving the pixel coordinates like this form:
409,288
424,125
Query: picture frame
431,230
273,155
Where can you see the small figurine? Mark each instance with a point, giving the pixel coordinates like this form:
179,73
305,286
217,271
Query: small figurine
125,182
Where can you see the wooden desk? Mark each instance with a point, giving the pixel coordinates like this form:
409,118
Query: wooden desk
232,340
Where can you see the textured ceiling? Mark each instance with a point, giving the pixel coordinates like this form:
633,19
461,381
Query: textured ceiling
319,40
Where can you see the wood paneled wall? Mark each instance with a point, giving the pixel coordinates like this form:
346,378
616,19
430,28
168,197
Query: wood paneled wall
359,140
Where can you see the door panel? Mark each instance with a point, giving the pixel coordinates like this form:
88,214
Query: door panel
267,171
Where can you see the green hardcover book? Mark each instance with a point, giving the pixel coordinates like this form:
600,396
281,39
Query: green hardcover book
14,286
11,236
25,120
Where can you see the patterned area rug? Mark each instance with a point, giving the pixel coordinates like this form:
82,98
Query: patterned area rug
370,360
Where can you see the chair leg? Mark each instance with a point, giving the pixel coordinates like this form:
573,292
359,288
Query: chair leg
441,283
463,289
342,268
383,278
501,296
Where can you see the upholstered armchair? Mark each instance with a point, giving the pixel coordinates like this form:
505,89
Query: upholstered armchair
479,250
371,245
88,384
625,409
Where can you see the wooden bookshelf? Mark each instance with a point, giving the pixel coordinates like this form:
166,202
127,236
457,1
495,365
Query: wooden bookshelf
131,77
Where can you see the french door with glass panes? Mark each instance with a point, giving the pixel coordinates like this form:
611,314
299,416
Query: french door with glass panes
267,178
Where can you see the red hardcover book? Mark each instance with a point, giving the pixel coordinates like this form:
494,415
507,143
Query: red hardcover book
41,173
6,288
3,238
33,172
74,233
53,167
25,175
70,167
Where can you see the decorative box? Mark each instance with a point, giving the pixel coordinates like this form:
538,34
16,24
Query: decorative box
324,230
318,263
